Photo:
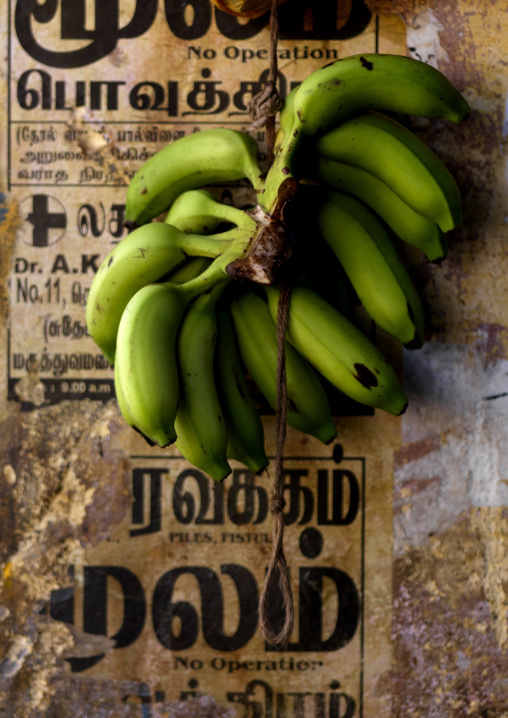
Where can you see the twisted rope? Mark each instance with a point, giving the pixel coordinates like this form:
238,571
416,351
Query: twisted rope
263,108
278,562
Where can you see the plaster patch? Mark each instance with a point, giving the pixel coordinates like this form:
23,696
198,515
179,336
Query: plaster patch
18,650
423,38
9,474
87,644
460,406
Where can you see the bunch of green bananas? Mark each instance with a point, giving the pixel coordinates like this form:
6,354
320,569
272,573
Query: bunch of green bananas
166,309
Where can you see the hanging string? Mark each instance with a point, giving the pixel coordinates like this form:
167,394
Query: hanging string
263,109
278,562
264,106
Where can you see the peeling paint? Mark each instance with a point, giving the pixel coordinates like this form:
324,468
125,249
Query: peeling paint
423,39
87,644
412,451
19,649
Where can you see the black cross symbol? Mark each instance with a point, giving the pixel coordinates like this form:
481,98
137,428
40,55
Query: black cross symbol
42,220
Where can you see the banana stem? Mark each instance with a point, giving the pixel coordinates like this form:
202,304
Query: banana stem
213,245
243,221
211,286
228,213
207,281
216,273
196,245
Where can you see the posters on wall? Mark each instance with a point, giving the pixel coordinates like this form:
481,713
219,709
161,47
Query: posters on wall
92,90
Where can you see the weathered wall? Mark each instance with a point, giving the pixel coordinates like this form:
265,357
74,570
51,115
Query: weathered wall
64,479
451,491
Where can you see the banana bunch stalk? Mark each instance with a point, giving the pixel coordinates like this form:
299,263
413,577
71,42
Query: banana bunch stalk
185,307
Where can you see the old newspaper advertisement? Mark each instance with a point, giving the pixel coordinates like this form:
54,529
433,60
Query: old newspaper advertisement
91,90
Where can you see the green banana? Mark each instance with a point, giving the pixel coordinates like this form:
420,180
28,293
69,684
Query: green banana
124,409
156,306
393,154
196,160
146,366
246,441
144,256
321,271
394,83
308,408
314,263
371,262
285,120
146,374
287,114
339,351
408,225
120,398
191,268
345,88
199,423
279,138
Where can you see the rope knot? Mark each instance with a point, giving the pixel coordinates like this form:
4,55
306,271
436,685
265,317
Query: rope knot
277,504
264,105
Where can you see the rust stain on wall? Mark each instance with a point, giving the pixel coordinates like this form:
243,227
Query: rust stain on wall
414,450
9,225
491,342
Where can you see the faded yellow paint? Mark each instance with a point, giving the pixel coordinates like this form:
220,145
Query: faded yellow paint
7,574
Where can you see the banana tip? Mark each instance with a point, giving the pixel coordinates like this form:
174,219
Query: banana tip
222,477
130,225
331,439
404,409
438,261
415,343
145,437
262,469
